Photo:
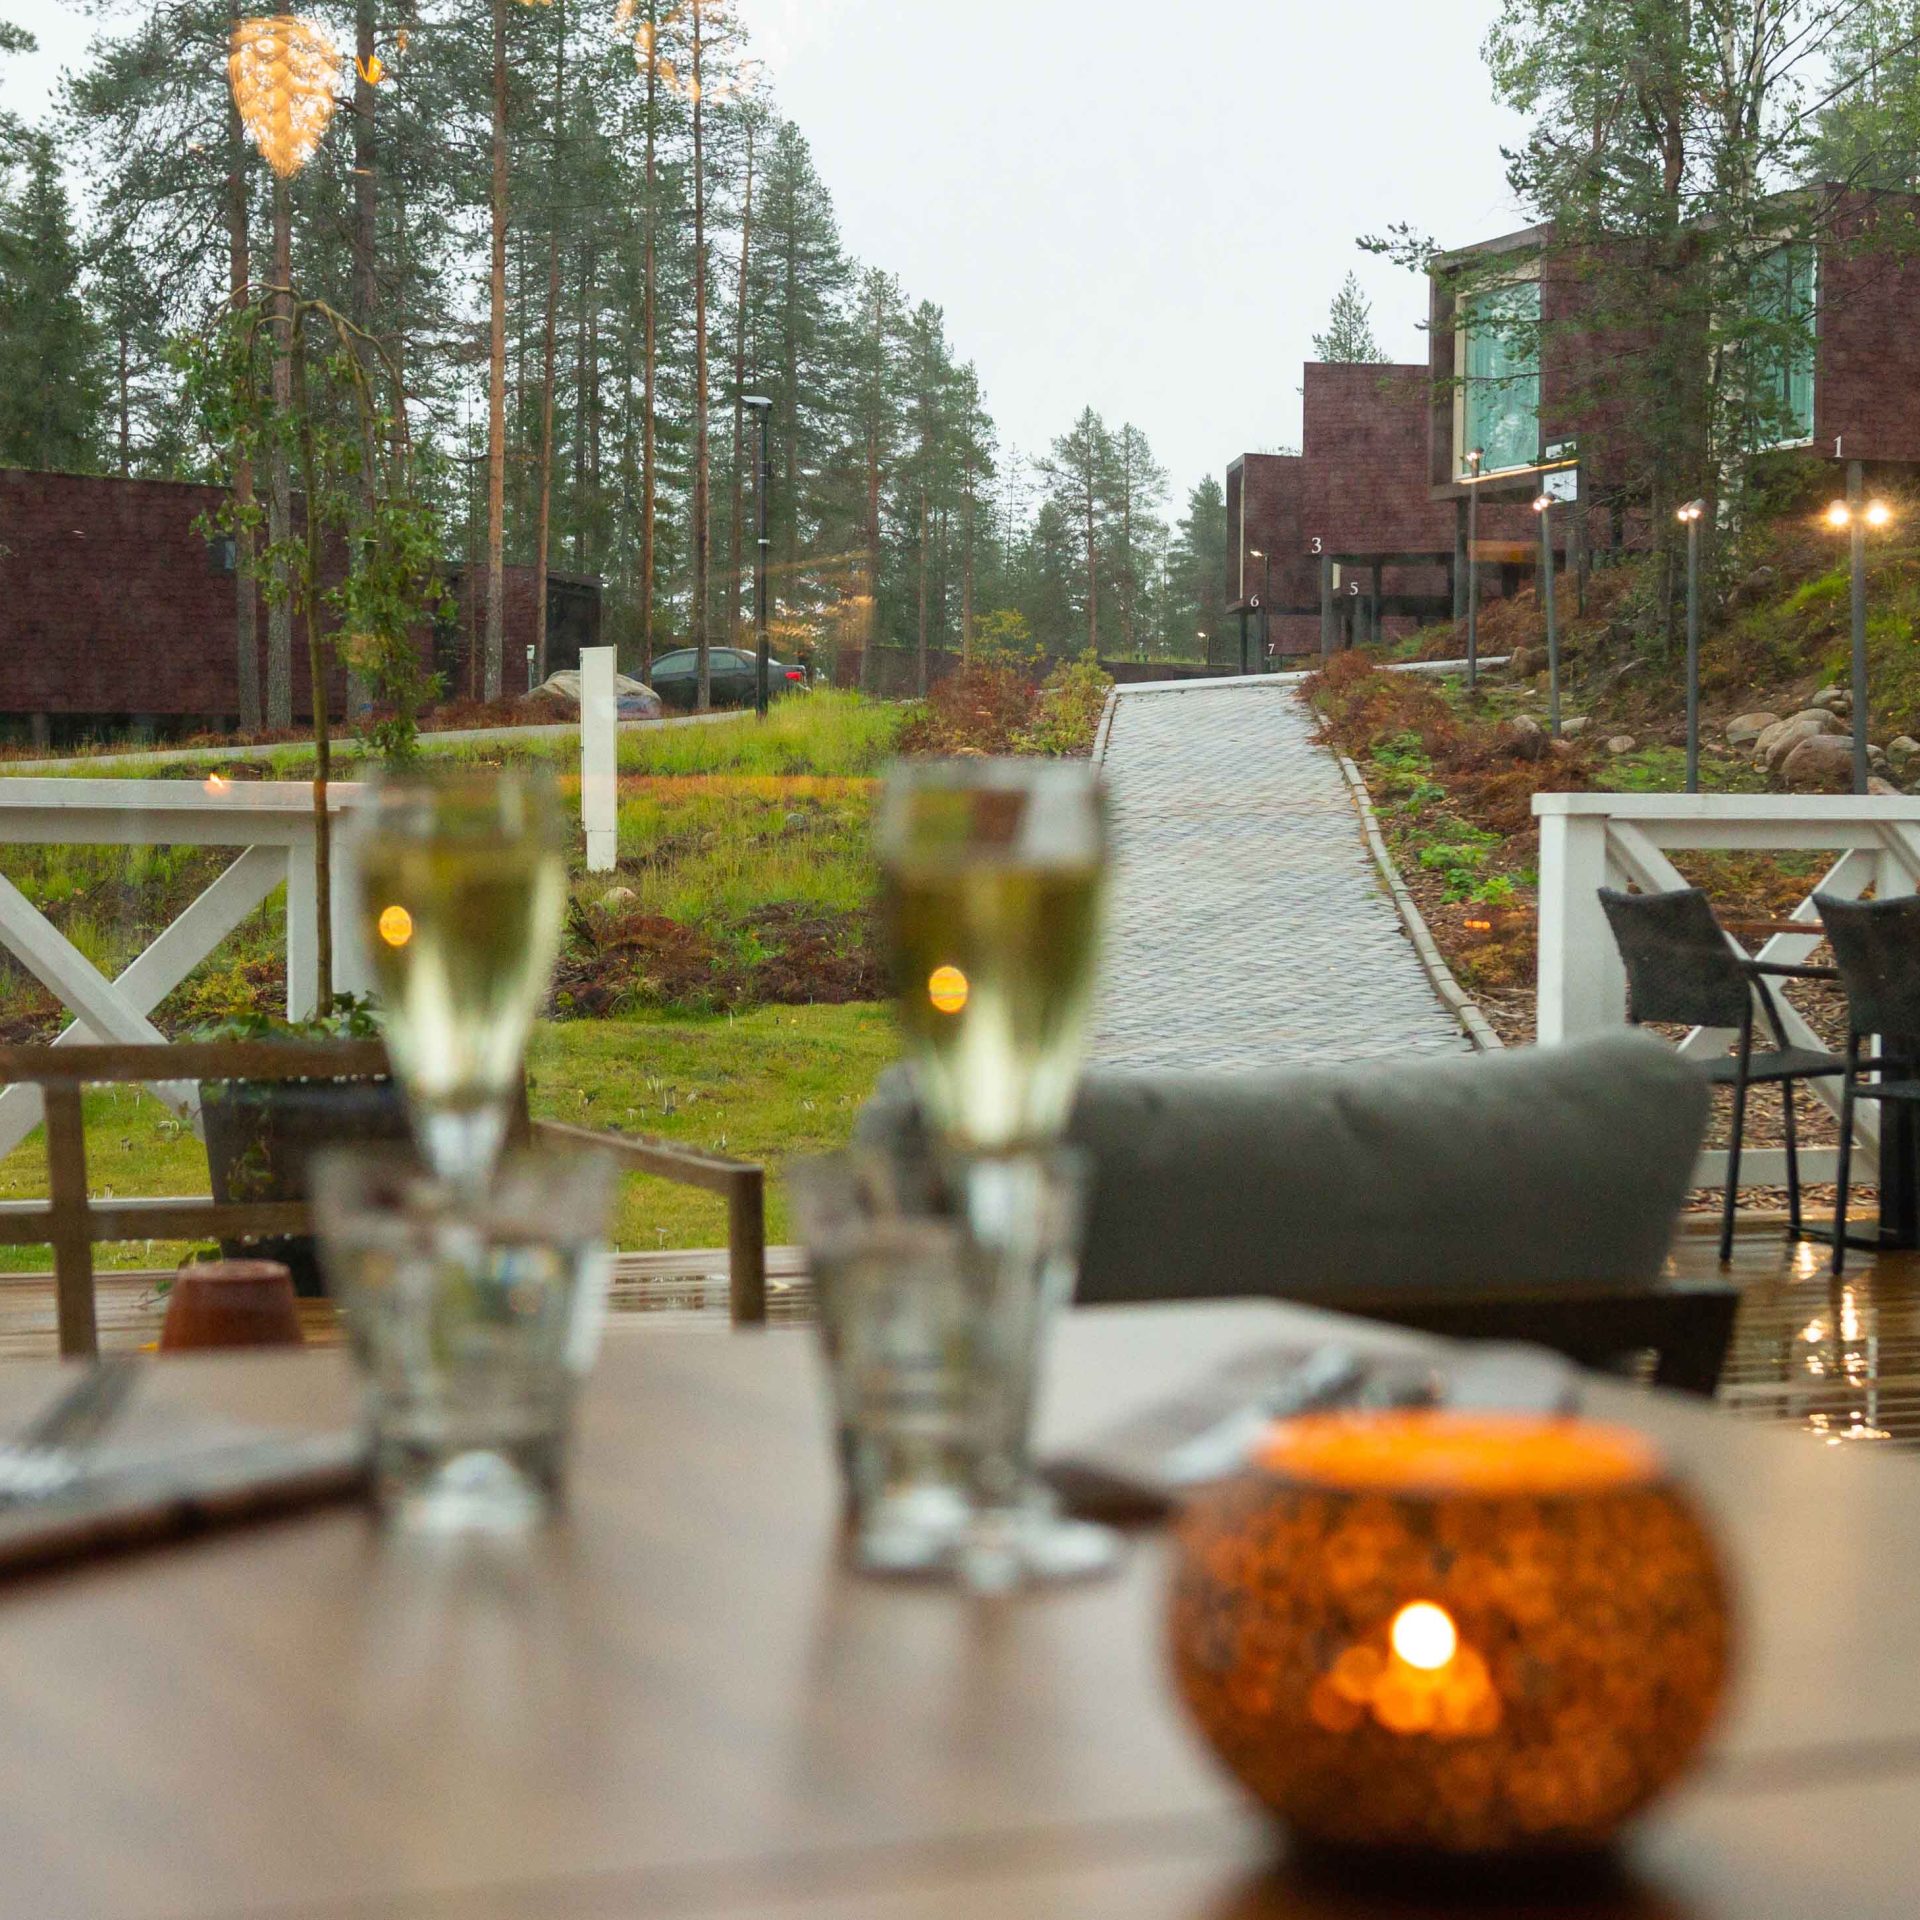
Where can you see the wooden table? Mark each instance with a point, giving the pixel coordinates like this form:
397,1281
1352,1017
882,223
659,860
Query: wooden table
678,1704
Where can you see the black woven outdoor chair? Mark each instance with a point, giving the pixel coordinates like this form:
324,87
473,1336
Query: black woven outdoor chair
1682,968
1876,946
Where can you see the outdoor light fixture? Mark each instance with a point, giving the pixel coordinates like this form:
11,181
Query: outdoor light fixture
1853,516
1475,460
761,407
1543,503
1690,517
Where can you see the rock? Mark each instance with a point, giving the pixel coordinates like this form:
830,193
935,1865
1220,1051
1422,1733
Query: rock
1776,743
1574,725
1876,785
1903,756
1754,587
1622,743
1833,700
1819,763
1876,757
1562,747
1745,728
1526,737
618,899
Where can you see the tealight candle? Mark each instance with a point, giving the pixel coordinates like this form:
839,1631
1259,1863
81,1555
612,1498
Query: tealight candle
1473,1634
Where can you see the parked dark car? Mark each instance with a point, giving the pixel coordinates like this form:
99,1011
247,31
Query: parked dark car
676,677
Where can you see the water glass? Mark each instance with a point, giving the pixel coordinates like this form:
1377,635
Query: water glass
994,875
937,1279
463,884
472,1319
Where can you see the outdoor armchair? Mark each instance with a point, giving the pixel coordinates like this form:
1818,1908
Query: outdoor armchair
1682,968
1529,1195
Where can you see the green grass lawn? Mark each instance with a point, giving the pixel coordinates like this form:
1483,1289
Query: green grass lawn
771,1085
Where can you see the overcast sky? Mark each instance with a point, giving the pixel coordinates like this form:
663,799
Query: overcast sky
1142,207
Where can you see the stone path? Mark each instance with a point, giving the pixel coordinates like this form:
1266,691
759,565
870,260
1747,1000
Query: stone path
1248,926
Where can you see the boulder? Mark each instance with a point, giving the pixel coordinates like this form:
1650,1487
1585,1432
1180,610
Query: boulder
1820,763
1745,728
1833,700
1575,724
1876,785
1903,756
1876,757
618,899
1776,743
1526,736
1622,743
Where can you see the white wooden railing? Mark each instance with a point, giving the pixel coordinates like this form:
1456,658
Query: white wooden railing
1594,840
271,822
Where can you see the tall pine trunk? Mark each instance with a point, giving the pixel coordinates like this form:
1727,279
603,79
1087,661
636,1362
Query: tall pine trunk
735,541
317,668
650,371
246,602
702,535
496,641
966,553
366,213
920,655
543,516
279,476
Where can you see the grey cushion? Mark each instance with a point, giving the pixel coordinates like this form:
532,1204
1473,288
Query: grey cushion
1556,1165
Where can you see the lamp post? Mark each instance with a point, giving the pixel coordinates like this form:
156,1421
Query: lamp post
760,405
1475,461
1265,557
1690,517
1544,508
1856,514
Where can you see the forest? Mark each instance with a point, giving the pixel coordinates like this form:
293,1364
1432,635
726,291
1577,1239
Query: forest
580,235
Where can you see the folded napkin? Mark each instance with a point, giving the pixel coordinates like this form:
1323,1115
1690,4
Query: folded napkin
164,1473
1139,1470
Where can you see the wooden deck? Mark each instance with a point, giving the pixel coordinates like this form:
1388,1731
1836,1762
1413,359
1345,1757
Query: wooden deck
1843,1361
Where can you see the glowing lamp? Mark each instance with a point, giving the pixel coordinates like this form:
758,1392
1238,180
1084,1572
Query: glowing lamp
1839,516
1879,514
949,990
1479,1635
283,71
396,926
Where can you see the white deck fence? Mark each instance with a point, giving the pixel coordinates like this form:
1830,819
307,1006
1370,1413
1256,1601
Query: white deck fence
269,821
1594,840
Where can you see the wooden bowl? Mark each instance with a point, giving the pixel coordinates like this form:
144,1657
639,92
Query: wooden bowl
231,1303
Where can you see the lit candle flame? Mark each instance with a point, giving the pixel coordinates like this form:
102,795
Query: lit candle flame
1424,1636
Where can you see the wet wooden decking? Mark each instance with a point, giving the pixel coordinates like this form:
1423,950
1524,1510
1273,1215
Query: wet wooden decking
1843,1361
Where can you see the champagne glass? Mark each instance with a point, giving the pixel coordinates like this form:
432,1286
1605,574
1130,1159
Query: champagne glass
462,896
994,873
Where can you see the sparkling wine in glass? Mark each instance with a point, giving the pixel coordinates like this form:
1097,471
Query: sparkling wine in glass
463,893
994,883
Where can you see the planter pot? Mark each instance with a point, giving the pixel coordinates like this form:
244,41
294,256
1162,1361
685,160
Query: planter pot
261,1136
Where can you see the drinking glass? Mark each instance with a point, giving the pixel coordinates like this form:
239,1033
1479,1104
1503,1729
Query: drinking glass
472,1318
994,875
936,1277
462,896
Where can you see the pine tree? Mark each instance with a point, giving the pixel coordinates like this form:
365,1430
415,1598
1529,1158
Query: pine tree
1349,339
1083,477
52,373
1141,488
1197,573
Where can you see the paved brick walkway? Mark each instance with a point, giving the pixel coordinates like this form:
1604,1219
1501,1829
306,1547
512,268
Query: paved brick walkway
1248,926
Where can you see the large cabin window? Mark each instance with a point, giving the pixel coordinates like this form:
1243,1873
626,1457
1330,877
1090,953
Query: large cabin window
1783,297
1500,377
